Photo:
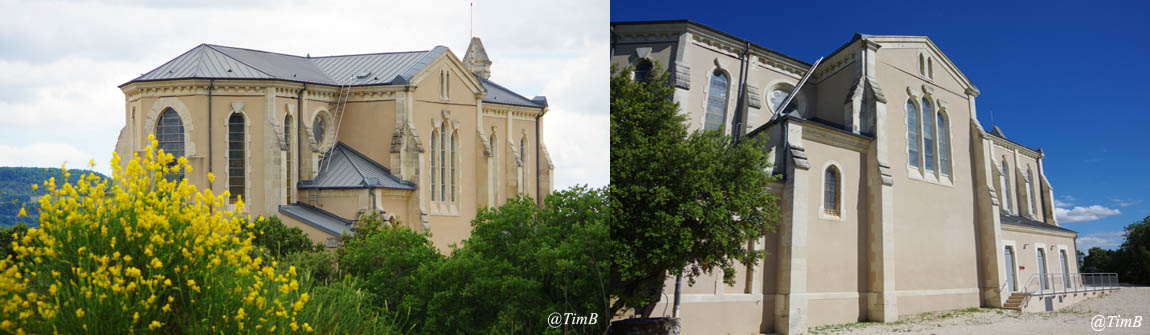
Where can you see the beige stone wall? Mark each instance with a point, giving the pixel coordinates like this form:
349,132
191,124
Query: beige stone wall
316,235
1020,160
935,251
369,124
834,242
1026,244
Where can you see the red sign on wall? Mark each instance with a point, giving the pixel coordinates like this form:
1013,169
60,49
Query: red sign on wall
1020,267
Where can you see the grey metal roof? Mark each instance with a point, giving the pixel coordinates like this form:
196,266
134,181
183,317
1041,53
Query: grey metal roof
208,61
318,218
501,95
1024,222
346,168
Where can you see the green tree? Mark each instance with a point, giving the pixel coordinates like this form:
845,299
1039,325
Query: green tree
278,239
387,260
681,203
1099,260
521,263
1131,261
1134,255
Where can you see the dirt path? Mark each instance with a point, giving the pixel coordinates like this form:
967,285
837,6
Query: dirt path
1127,302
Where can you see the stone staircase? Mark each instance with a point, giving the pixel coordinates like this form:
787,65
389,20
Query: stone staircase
1015,301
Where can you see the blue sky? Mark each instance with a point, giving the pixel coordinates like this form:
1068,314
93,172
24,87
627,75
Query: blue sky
1069,77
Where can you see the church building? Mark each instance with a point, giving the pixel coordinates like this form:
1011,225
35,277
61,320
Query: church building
895,199
421,136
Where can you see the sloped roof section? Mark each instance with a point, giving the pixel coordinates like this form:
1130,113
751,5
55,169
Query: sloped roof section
203,62
1024,222
501,95
208,61
318,218
376,69
347,168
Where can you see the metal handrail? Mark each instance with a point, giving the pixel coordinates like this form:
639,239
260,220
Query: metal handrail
1056,283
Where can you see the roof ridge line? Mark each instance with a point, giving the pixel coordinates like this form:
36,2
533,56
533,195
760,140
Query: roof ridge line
373,162
349,162
371,54
239,61
508,90
165,64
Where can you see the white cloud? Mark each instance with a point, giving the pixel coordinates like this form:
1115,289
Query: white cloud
62,61
1082,214
1104,240
1059,203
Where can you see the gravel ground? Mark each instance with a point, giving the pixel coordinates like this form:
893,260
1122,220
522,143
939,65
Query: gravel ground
1076,319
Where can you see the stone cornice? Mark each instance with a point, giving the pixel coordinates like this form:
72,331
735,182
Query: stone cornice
1028,230
760,56
826,134
249,87
1010,145
501,110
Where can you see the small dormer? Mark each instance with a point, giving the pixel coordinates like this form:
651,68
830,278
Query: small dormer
476,59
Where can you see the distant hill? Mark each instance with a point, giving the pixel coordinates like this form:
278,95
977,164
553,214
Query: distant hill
16,189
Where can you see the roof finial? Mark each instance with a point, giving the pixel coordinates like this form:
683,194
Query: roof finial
471,19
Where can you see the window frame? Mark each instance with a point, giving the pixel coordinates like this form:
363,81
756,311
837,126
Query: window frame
942,122
913,135
239,136
726,90
825,212
639,64
929,137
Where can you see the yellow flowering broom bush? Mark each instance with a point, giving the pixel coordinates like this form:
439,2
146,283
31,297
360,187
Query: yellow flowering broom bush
143,253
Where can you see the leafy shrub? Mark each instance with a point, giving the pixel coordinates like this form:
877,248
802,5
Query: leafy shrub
387,257
143,254
279,240
343,307
521,263
9,235
319,265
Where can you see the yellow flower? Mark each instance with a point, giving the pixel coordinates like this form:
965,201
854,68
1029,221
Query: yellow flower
155,324
80,313
156,263
22,213
306,327
240,314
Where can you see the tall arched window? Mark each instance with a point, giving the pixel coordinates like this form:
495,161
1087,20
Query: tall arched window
1029,195
1006,194
454,160
928,132
523,154
443,163
287,167
912,137
236,156
930,68
831,191
943,144
643,69
921,65
716,101
435,164
170,136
